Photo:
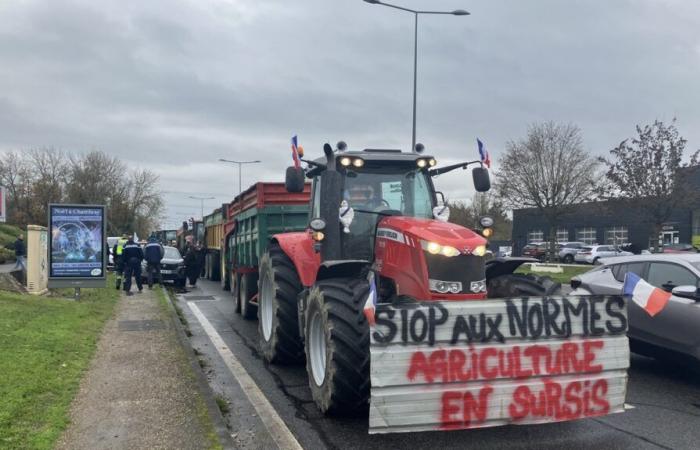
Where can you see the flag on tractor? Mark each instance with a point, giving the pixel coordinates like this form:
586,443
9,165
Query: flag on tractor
483,153
295,152
650,298
371,303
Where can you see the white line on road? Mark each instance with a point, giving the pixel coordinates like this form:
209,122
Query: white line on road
269,417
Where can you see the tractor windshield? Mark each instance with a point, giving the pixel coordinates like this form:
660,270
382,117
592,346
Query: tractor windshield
407,193
372,192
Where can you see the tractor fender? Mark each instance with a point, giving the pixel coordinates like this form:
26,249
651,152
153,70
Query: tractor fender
299,247
351,268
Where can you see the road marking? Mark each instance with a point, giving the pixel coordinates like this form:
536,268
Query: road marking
282,436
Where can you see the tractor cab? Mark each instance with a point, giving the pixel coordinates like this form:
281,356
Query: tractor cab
354,190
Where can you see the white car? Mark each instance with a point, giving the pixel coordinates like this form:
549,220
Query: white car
592,253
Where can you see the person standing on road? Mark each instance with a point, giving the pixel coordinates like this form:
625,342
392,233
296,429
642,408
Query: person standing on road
201,256
20,253
191,266
118,260
132,256
154,254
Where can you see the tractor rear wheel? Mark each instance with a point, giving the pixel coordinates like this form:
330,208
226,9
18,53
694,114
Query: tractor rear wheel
246,291
278,323
337,346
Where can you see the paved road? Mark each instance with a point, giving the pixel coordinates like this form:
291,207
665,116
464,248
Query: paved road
664,401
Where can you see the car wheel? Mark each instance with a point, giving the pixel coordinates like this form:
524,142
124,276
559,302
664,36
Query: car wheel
568,259
595,261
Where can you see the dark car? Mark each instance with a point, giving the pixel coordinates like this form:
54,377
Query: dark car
172,267
536,250
674,331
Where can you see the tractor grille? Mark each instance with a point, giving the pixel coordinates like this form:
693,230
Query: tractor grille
462,268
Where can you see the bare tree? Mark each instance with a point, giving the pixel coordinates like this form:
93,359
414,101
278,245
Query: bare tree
482,204
647,173
548,170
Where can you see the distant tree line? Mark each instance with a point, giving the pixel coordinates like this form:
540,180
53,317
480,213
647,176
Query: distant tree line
551,171
35,178
483,204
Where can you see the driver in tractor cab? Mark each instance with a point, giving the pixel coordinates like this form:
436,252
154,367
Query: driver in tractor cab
361,197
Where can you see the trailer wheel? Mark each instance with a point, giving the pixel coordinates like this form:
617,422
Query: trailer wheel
278,323
337,346
246,291
235,288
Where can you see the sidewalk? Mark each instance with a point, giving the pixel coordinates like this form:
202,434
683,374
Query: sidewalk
140,390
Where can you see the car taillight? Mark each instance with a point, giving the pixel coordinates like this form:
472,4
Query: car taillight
575,283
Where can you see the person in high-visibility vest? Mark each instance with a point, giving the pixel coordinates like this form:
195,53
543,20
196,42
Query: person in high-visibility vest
118,260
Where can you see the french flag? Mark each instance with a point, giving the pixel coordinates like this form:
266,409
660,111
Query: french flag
295,152
650,298
371,303
485,157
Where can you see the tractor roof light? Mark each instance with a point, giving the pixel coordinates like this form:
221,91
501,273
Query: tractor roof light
358,162
345,161
421,163
432,162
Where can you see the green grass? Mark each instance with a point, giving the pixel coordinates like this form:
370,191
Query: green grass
564,278
45,347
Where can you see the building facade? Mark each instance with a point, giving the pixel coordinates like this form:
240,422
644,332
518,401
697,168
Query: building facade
610,222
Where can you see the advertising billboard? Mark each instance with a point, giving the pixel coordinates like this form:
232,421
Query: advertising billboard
77,252
3,211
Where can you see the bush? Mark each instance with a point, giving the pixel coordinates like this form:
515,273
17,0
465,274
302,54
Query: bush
6,255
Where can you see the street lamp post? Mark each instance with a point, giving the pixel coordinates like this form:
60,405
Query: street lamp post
240,164
456,12
201,199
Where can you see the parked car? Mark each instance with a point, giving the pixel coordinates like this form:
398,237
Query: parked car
675,328
567,251
536,250
592,253
679,248
172,267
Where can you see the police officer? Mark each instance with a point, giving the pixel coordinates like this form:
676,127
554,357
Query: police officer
154,254
118,260
132,256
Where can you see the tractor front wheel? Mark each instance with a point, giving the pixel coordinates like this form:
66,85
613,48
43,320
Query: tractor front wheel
278,323
337,346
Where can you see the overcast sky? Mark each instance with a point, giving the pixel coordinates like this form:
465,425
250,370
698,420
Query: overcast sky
175,85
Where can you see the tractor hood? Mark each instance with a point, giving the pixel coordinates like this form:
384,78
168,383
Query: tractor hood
443,233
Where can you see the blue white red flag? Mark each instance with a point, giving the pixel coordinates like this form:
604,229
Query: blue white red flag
485,158
371,303
295,152
650,298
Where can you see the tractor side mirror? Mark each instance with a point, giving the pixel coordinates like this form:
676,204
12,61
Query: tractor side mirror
482,182
294,179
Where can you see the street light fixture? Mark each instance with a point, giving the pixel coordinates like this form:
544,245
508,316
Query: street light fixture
240,164
456,12
201,199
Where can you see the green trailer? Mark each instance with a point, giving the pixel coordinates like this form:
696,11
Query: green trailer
263,210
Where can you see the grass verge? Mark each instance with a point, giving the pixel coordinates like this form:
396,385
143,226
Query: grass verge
563,278
45,346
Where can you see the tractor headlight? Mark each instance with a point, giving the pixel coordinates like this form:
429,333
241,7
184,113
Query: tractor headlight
479,250
434,249
445,287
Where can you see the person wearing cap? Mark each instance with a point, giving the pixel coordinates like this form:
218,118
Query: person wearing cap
132,256
154,253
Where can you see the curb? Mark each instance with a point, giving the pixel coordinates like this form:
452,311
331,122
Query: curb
220,427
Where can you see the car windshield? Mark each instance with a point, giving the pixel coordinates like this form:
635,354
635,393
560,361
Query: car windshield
378,189
172,253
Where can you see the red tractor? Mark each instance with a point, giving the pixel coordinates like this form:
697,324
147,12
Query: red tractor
375,224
